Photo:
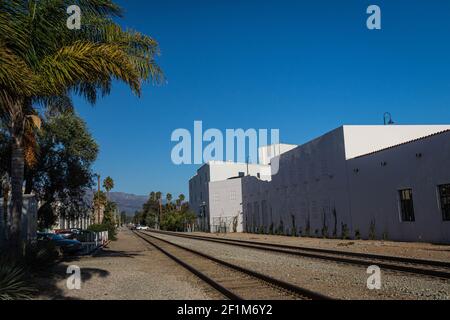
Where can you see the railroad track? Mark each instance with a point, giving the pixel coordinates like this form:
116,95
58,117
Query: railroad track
234,282
431,268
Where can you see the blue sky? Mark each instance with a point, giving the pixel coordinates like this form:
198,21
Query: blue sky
303,67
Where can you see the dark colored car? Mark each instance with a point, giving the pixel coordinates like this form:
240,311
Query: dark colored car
66,234
65,245
84,235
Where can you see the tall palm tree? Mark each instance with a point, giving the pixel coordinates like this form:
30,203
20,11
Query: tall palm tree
180,200
108,184
41,61
169,197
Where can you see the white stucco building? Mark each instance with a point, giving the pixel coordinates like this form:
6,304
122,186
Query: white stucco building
215,192
388,182
382,182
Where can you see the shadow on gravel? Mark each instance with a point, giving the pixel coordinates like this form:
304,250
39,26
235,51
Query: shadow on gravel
117,254
47,282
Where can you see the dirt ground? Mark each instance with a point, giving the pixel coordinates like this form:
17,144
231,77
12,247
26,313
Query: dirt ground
403,249
129,269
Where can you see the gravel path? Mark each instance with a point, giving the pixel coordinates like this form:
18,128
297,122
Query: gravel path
336,280
402,249
129,269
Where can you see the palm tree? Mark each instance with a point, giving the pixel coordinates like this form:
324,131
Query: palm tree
42,62
169,198
108,184
158,196
180,200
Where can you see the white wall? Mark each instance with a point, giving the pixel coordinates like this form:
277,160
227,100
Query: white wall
220,171
267,153
317,183
310,186
226,205
215,176
375,189
361,140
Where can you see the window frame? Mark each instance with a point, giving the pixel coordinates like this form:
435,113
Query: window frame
403,215
440,198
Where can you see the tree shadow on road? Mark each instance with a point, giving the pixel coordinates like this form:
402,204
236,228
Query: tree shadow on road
117,254
47,282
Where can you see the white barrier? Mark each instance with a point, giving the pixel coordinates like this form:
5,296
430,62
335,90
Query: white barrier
94,240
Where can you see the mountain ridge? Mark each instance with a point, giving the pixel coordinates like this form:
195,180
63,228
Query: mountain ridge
128,202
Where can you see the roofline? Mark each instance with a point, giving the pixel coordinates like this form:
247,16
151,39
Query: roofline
403,143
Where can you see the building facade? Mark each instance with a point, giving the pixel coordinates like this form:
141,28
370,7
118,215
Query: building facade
215,192
379,182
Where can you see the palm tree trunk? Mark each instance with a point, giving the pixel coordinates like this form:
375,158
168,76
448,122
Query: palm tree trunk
17,176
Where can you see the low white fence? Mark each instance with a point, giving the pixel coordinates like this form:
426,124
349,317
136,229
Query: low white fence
93,241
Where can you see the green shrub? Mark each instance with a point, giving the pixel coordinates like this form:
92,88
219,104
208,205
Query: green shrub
357,234
271,231
294,232
294,227
235,223
345,231
14,281
372,231
308,228
177,220
112,232
280,230
325,231
40,256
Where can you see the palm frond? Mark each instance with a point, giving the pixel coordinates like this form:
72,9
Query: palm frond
15,75
86,62
14,284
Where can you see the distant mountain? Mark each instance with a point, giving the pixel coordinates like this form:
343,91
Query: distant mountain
130,203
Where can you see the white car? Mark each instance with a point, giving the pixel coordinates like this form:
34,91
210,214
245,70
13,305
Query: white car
142,228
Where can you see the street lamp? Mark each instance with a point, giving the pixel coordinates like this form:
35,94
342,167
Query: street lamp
388,119
97,175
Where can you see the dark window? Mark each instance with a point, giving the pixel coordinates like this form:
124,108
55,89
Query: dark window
241,174
444,195
407,205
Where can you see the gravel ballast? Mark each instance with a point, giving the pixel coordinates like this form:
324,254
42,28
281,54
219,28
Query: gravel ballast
440,252
340,281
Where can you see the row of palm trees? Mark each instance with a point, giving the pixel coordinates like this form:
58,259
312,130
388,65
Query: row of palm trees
43,64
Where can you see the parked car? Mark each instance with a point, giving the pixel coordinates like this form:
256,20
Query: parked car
142,228
65,245
66,234
84,235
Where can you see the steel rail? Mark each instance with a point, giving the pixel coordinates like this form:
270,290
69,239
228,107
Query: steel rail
262,277
324,254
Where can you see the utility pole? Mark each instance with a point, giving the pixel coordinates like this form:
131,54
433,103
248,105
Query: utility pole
160,212
98,198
